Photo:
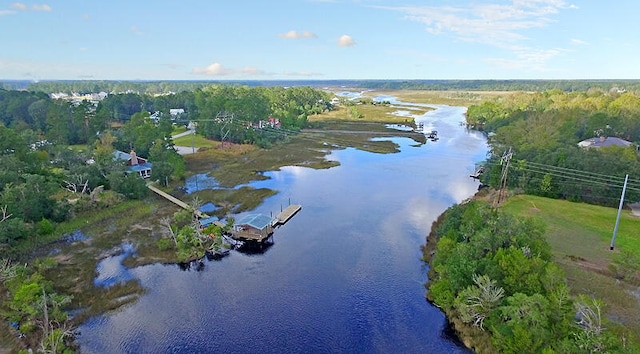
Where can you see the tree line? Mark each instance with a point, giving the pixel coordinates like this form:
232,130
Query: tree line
162,87
543,130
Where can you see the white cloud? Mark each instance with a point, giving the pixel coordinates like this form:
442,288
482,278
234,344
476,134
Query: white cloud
496,24
6,12
502,25
579,41
216,69
135,30
346,41
43,7
19,6
35,7
295,35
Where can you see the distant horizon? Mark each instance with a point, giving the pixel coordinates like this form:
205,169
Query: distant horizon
311,80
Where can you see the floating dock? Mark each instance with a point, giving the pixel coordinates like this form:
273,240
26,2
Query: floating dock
287,214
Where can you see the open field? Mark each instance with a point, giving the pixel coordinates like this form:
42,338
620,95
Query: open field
580,235
197,141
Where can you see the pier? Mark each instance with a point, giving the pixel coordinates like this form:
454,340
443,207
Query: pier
177,201
287,214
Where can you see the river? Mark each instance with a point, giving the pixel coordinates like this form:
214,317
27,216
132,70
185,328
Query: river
343,276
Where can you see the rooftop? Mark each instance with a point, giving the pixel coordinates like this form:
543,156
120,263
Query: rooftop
258,221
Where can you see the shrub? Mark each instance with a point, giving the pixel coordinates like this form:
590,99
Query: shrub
45,227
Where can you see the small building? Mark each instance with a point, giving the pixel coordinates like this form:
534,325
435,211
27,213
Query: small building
604,141
204,223
257,224
134,163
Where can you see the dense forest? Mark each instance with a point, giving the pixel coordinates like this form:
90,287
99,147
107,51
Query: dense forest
539,134
493,275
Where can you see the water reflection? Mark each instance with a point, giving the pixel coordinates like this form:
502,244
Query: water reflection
111,271
200,181
344,275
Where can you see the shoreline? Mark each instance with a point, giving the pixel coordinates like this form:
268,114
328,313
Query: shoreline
469,336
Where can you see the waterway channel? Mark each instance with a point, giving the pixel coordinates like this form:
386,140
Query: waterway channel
343,276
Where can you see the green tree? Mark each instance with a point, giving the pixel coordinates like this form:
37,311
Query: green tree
525,326
476,302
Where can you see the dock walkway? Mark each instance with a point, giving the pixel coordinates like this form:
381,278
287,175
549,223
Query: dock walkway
176,201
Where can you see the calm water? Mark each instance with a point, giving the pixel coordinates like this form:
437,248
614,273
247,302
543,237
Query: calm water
344,275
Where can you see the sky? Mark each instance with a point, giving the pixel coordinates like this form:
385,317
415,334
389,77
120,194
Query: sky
319,39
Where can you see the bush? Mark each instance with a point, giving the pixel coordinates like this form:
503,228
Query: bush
45,227
165,244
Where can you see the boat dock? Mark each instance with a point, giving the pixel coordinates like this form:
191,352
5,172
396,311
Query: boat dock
287,214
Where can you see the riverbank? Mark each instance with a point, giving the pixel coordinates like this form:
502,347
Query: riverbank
578,235
472,337
230,165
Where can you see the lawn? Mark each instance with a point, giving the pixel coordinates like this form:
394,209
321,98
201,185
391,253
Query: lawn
580,235
197,141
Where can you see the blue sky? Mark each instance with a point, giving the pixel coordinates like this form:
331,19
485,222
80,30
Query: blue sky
319,39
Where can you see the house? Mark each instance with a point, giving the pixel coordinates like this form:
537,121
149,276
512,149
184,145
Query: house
155,117
604,141
134,163
257,224
176,111
274,122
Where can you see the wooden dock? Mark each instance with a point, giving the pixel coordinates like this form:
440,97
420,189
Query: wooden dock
287,214
176,201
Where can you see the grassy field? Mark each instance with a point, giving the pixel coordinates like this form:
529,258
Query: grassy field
197,141
580,235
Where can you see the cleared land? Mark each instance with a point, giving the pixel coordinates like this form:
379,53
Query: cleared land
580,235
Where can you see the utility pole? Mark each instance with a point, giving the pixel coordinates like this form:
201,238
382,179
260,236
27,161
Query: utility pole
615,229
505,161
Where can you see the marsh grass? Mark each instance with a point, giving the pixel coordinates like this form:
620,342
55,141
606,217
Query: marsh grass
452,98
580,235
233,201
